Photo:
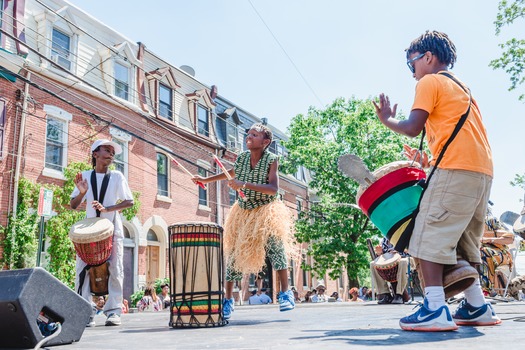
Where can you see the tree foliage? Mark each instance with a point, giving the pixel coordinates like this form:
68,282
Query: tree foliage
334,228
512,59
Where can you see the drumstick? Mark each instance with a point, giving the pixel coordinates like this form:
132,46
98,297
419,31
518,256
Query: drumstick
228,176
187,171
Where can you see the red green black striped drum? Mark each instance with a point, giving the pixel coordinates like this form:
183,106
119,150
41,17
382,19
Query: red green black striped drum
196,270
390,200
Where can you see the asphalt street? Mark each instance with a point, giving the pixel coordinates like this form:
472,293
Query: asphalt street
320,326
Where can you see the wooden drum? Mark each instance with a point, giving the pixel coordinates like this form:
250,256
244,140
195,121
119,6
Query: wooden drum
93,241
387,265
390,200
196,270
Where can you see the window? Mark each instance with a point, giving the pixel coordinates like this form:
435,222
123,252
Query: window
305,273
165,102
57,121
203,194
299,205
162,175
61,49
55,144
123,139
204,126
121,81
232,195
119,159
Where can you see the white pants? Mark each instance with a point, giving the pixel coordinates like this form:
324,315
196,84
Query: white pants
402,278
116,279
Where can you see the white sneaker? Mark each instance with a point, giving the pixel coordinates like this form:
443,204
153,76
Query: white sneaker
113,320
91,322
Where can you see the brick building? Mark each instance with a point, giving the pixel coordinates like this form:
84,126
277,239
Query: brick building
70,79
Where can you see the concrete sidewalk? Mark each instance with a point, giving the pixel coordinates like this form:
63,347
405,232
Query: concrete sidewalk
309,326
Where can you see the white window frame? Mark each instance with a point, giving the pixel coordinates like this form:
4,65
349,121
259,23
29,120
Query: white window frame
127,67
66,61
203,132
161,197
64,117
123,139
201,164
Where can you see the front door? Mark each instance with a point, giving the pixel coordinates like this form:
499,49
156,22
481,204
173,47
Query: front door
153,264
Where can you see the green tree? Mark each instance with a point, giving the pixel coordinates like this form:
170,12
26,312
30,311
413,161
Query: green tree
334,228
512,59
20,236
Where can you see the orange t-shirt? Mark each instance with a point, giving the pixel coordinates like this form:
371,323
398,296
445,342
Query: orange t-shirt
445,101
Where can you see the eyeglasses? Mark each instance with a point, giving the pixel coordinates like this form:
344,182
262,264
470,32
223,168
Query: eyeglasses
410,65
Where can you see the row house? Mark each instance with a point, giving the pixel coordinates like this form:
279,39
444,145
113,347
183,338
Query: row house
68,79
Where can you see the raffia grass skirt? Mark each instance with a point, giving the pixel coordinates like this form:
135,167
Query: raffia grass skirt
247,231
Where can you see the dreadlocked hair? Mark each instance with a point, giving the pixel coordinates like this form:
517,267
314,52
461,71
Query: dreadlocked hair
438,44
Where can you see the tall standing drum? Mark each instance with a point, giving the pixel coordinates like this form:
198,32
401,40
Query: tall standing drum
196,270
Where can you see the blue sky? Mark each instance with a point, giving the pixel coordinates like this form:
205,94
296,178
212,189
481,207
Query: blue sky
315,51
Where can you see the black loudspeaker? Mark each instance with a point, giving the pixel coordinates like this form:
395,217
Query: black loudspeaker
31,301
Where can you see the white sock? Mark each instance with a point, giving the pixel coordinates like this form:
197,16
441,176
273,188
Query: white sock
435,296
474,295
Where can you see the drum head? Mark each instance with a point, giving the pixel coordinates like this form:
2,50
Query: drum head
91,230
388,258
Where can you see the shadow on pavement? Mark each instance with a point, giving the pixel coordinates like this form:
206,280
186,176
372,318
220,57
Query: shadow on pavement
389,336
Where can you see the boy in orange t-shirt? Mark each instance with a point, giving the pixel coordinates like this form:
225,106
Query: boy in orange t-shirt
452,210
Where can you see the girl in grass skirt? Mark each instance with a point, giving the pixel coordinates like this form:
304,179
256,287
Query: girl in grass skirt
259,224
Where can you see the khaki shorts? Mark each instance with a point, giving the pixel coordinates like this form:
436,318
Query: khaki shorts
451,217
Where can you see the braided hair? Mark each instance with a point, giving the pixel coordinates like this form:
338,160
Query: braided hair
259,127
438,44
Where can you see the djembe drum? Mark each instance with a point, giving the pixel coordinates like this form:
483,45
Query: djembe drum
387,265
93,241
196,269
390,200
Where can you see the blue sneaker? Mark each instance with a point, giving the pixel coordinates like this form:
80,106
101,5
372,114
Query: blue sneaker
425,320
286,301
468,315
228,305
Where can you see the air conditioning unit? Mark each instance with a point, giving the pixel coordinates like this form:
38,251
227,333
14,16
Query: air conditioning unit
55,58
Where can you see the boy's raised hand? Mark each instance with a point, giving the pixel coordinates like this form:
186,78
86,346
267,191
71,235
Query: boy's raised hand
383,109
81,184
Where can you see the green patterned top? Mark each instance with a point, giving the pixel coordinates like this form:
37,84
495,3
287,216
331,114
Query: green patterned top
257,175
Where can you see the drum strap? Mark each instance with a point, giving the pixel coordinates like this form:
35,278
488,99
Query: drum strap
103,189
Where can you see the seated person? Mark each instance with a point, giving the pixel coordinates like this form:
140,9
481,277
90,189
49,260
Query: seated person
99,304
495,257
265,299
385,295
363,293
150,301
164,296
335,297
254,299
125,306
354,293
320,297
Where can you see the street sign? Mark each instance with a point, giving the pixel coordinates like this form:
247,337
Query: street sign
45,202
